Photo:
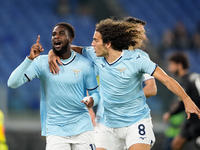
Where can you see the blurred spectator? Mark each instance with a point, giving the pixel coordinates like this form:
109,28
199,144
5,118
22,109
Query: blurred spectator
85,8
181,39
179,66
196,41
167,42
176,38
174,123
63,7
71,7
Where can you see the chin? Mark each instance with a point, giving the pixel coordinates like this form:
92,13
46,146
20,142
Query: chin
98,55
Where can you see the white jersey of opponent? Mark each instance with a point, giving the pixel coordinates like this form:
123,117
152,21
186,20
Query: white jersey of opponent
121,87
62,112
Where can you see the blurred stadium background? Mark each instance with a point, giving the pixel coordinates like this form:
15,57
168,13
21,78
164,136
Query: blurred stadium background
23,20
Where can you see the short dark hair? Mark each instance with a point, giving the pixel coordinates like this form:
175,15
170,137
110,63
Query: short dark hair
180,57
134,20
69,27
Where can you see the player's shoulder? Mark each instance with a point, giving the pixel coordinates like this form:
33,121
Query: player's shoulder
83,59
41,58
132,55
142,52
88,48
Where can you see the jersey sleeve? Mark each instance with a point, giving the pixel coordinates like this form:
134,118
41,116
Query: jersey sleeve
91,84
34,70
142,53
144,65
89,53
25,72
147,77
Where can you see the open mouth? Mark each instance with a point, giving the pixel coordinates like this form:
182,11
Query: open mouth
57,44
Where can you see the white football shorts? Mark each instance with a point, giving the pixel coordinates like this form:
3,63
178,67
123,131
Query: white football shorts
83,141
123,138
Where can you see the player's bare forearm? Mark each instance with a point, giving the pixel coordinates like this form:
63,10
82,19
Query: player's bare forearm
77,49
175,87
150,88
53,61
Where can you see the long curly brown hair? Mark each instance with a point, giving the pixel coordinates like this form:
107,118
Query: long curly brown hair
138,22
120,33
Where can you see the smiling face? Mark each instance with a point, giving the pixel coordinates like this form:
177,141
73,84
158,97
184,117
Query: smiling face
60,40
99,46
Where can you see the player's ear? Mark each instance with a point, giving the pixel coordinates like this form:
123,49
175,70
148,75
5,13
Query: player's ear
108,45
70,40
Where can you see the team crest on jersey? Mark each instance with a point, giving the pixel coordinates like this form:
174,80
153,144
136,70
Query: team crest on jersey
121,70
76,72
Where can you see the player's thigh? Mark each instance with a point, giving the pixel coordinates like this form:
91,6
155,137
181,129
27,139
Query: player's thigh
140,146
106,139
140,134
101,135
116,143
84,141
57,143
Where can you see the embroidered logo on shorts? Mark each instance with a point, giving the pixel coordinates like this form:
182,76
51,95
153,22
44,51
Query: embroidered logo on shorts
143,138
76,72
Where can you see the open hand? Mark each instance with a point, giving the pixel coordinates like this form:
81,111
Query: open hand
191,108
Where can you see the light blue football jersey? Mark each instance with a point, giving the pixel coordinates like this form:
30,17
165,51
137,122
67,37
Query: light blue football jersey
62,112
121,87
145,76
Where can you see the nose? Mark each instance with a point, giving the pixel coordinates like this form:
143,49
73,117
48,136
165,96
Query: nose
57,36
92,43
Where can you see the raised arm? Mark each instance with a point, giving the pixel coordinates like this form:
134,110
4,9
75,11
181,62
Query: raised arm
36,49
17,77
175,87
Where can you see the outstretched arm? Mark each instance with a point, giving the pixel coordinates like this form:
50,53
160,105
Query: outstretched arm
175,87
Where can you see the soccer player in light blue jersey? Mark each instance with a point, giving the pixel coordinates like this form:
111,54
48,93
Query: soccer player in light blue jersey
126,114
150,88
126,117
65,120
